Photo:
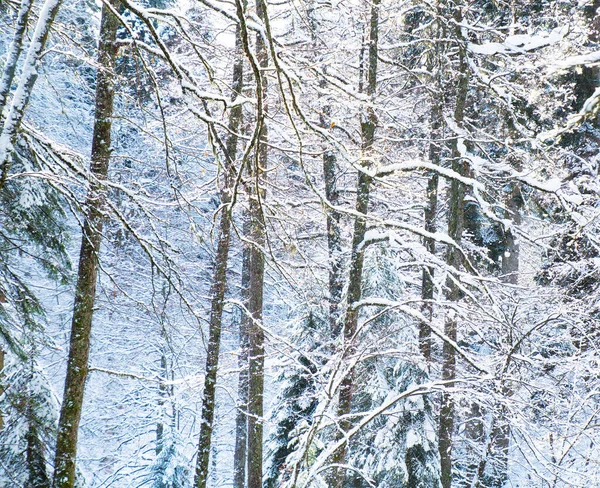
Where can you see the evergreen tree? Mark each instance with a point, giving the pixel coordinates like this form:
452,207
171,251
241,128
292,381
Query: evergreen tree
30,416
297,401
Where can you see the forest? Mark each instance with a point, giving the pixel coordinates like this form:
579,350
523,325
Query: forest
299,243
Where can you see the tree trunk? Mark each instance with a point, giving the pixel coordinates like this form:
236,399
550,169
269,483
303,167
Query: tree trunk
14,52
12,123
330,174
427,287
453,259
219,281
241,420
256,338
431,204
368,126
85,293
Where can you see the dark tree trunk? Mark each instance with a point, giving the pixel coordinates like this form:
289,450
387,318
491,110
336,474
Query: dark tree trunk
219,281
256,337
241,420
85,293
453,259
431,203
368,126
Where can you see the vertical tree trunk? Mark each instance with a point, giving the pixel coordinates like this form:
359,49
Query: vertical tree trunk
85,293
431,203
368,126
12,123
334,237
427,287
256,349
219,280
241,420
330,174
14,52
453,259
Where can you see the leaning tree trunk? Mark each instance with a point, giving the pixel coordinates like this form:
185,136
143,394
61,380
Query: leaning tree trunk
453,259
219,279
368,126
12,123
85,293
14,52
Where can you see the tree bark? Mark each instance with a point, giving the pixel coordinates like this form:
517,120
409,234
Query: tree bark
368,126
12,123
219,280
14,52
241,420
330,175
453,258
85,293
427,286
256,338
431,203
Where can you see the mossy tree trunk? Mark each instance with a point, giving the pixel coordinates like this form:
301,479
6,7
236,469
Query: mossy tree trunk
85,293
219,279
368,126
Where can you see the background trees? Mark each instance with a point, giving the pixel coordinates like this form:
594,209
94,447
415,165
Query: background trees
413,248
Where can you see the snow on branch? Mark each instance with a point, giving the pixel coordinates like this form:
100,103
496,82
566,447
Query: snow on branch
520,44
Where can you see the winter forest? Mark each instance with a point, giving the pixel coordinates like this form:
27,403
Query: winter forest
299,243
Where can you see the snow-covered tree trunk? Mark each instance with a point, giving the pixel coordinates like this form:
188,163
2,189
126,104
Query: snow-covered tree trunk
453,256
431,203
85,293
19,102
368,126
14,52
256,336
330,177
219,279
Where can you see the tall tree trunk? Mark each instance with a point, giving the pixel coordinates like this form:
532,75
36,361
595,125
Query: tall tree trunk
256,260
453,257
241,419
12,123
427,286
85,293
14,52
431,203
330,175
219,279
334,235
368,126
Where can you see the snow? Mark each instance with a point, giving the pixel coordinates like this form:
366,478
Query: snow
521,43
